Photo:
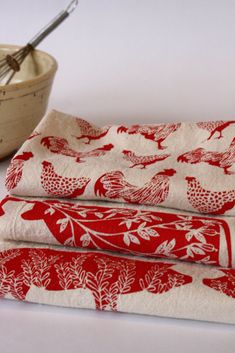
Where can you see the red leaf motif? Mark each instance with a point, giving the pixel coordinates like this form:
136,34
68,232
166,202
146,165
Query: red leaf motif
107,277
63,224
224,284
149,234
86,239
126,239
197,250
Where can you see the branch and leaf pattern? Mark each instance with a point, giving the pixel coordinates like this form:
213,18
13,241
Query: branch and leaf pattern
134,231
224,284
106,277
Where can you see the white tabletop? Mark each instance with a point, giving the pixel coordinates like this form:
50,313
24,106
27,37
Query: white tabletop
126,61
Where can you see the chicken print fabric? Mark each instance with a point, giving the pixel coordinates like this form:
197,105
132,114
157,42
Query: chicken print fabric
186,166
101,218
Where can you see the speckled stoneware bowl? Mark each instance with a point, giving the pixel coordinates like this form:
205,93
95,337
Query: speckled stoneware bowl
23,103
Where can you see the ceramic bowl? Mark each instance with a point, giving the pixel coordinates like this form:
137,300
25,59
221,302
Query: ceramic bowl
24,102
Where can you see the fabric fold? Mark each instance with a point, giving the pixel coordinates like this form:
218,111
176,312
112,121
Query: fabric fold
149,232
101,218
113,282
187,166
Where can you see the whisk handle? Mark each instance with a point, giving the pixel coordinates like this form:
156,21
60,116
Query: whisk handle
52,25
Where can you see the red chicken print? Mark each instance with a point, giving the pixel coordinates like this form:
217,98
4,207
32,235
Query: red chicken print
215,126
224,160
206,201
157,133
90,132
143,161
60,145
114,186
56,185
15,170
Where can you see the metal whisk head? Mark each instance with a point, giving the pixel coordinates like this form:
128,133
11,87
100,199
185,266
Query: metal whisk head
12,62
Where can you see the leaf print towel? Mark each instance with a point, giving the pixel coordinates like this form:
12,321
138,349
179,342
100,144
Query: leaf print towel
101,218
150,232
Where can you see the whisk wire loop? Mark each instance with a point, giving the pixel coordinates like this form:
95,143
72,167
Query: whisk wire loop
11,64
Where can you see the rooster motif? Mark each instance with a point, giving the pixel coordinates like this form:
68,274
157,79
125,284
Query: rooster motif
215,126
114,186
206,201
56,185
157,133
224,160
61,146
15,170
90,132
143,161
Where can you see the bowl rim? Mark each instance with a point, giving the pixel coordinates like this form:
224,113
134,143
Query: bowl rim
32,81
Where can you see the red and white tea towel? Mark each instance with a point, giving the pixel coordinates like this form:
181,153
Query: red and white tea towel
102,281
187,166
83,225
149,232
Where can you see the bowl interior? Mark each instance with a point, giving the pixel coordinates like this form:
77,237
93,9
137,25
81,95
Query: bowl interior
36,64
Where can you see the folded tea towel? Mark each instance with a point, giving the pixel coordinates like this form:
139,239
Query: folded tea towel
68,158
98,280
146,231
187,166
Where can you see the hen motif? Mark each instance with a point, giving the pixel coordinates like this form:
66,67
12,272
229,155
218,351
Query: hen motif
157,133
114,186
143,161
15,170
56,185
206,201
89,131
60,145
224,160
214,126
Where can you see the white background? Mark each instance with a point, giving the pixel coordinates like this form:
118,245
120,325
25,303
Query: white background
126,61
130,60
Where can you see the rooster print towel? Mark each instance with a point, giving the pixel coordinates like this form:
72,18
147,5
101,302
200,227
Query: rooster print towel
112,282
150,232
186,166
83,225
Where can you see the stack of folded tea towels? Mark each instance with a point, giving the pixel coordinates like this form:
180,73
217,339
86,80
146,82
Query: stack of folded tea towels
136,219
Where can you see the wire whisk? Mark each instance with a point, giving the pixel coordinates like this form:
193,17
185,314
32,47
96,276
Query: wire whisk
11,63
